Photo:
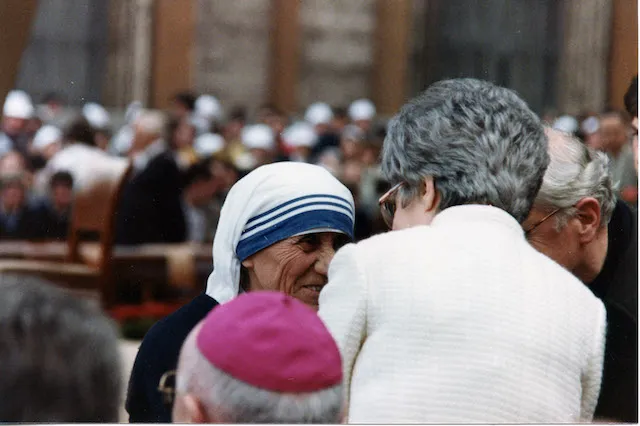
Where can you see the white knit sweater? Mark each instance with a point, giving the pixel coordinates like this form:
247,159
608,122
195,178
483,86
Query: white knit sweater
463,321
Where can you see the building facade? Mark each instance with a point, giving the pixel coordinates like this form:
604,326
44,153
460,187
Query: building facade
564,56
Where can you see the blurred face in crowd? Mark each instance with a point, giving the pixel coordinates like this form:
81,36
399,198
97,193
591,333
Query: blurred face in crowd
365,125
569,245
261,156
370,155
351,172
201,191
12,196
14,126
297,266
277,123
351,149
12,163
61,196
613,132
233,130
224,175
184,135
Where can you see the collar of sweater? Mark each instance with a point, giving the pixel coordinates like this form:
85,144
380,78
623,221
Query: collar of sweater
478,215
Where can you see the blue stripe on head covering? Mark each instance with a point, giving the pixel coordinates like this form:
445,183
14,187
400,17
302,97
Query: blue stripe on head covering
305,221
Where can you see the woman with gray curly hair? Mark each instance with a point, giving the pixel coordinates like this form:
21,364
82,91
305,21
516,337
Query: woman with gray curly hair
462,320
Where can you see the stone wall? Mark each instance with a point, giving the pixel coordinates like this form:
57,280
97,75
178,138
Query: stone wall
232,50
337,50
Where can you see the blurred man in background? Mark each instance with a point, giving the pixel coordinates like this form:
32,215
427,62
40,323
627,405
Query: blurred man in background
616,143
54,213
150,207
17,111
59,358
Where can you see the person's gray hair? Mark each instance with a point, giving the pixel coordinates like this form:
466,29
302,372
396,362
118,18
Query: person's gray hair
575,172
481,144
59,356
234,401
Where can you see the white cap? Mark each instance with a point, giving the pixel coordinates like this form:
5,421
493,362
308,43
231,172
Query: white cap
209,107
245,161
590,125
318,113
566,123
208,144
122,141
258,136
300,135
18,105
45,136
362,109
96,115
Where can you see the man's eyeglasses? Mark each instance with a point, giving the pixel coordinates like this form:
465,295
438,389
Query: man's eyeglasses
388,204
527,232
167,386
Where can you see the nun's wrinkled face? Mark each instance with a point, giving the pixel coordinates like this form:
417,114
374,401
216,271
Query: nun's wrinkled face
297,266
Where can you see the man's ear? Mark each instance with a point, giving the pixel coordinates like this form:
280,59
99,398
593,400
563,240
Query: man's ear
430,198
588,219
248,262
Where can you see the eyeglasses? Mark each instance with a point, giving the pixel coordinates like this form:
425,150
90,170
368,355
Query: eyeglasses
388,204
528,231
167,388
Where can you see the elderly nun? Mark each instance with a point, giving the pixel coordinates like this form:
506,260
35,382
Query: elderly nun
279,228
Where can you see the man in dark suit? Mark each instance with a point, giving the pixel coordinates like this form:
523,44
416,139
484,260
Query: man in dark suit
150,208
54,213
18,219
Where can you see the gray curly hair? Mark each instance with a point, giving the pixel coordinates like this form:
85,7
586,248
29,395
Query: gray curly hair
575,172
481,143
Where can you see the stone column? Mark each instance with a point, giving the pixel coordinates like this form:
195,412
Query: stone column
584,56
232,47
337,53
129,52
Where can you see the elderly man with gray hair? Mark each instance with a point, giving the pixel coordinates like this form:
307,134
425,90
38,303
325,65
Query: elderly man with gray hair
454,317
263,357
577,221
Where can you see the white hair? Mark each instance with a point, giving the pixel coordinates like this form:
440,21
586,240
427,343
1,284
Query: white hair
151,122
575,172
234,401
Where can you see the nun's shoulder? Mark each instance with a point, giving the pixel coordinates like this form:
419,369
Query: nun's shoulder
167,335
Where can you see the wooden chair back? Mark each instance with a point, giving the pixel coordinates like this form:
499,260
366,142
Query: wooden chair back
94,209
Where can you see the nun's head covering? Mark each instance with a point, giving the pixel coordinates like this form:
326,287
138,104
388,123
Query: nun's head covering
362,109
300,135
46,136
18,104
318,113
96,115
258,136
208,144
270,204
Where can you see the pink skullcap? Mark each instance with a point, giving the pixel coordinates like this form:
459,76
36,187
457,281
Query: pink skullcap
271,341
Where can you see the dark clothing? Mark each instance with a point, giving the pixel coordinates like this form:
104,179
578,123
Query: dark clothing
325,142
51,224
21,225
617,287
150,208
158,354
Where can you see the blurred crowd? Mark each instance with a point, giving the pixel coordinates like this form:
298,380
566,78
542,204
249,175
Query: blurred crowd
187,157
185,160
